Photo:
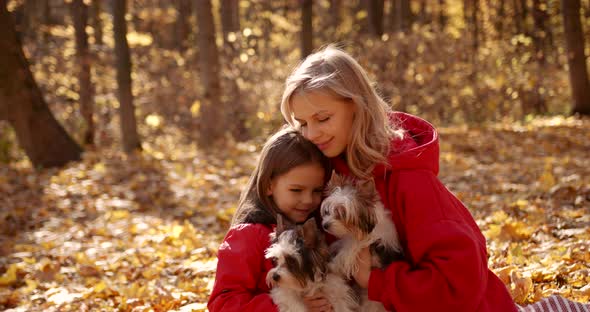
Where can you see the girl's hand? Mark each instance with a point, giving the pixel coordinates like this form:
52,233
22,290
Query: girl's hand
318,303
364,272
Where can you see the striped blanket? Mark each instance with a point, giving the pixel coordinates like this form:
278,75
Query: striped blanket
555,304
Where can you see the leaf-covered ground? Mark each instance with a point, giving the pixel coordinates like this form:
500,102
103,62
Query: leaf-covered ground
140,233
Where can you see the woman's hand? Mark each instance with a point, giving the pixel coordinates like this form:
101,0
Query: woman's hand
364,264
318,303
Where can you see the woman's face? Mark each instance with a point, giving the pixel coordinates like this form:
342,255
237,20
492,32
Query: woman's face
298,192
325,120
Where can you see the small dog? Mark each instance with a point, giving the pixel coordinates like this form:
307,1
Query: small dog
353,212
300,257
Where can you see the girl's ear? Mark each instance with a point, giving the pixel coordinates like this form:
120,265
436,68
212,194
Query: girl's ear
269,189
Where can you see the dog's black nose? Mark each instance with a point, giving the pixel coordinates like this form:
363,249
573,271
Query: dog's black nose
276,277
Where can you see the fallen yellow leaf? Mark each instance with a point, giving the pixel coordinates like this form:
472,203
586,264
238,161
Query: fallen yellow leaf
9,277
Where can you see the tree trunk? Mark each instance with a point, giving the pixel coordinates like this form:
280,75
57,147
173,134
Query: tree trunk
267,11
27,19
335,9
442,17
96,9
540,18
519,16
423,13
182,23
578,72
470,13
230,24
500,19
129,136
375,11
45,142
306,28
212,112
401,14
475,28
236,110
85,92
230,16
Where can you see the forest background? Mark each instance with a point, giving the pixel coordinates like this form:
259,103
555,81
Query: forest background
129,128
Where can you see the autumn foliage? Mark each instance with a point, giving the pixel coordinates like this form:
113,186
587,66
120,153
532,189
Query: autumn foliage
140,231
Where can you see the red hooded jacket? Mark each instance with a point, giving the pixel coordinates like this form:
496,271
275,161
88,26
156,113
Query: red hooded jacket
240,280
446,259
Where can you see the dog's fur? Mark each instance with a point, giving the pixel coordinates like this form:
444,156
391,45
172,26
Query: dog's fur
353,213
300,256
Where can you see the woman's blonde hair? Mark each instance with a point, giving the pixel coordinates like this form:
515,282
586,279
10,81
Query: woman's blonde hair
282,152
336,72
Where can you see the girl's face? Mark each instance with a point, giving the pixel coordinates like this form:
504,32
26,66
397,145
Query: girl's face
325,120
298,192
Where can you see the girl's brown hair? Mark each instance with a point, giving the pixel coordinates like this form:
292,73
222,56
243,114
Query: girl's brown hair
282,152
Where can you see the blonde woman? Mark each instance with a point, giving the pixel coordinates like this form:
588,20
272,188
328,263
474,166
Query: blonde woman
331,100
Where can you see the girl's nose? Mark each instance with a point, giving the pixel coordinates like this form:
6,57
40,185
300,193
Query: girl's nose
307,198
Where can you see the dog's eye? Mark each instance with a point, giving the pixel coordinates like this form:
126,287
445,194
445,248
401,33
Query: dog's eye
339,211
274,261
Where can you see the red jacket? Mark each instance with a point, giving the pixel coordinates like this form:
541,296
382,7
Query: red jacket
446,259
240,280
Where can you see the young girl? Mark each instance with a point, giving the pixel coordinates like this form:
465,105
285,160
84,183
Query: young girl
288,180
330,98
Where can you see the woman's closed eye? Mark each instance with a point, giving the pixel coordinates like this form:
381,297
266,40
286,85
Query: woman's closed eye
323,119
296,190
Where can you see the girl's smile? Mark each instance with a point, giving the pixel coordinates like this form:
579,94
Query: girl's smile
298,192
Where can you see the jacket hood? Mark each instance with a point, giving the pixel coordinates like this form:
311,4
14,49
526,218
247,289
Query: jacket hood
418,149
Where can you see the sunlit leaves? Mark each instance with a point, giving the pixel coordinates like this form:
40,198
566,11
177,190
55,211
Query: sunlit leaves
10,276
141,231
531,201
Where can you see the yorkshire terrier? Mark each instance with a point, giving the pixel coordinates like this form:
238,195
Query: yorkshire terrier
300,257
353,212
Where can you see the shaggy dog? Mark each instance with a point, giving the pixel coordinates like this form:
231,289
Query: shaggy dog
300,257
354,214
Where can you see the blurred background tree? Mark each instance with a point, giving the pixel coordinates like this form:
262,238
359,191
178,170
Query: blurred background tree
128,121
85,93
213,71
22,105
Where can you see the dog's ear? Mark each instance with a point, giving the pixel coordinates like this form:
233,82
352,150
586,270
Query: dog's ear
367,195
366,187
309,232
335,180
283,224
340,212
